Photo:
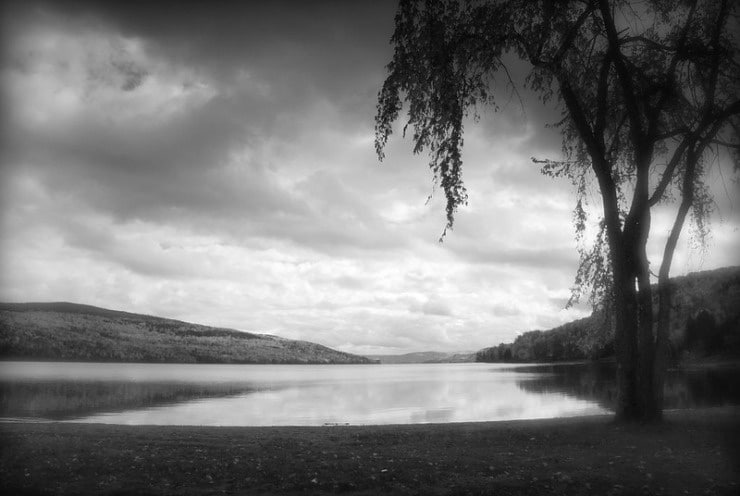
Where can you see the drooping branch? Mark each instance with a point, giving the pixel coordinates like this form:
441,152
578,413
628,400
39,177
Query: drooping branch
578,115
570,36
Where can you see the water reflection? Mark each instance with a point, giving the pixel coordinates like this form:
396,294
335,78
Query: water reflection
596,382
275,395
68,400
593,382
371,402
702,388
189,394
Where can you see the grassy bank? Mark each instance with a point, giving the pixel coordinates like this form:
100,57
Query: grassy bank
693,452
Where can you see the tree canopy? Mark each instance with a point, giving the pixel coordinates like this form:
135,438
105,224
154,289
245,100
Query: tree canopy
648,92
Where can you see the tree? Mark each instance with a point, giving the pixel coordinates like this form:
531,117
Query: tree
649,92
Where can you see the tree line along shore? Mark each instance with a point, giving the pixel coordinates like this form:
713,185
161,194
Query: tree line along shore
705,322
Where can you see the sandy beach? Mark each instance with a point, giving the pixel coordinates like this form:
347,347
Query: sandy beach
692,452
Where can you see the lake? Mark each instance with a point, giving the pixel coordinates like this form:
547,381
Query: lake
262,395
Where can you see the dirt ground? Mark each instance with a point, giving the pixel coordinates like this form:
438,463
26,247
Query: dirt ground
692,452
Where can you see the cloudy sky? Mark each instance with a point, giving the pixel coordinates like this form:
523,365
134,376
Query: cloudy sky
215,164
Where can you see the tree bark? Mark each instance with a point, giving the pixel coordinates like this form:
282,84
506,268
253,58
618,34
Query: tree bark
649,407
634,340
625,312
625,299
649,410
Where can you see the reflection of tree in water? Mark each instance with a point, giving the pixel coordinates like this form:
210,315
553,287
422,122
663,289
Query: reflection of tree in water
596,382
703,388
68,400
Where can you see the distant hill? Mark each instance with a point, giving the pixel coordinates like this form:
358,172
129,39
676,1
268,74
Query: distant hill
425,357
68,331
705,321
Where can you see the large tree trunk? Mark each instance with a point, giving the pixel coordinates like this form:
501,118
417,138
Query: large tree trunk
637,400
625,319
632,395
650,409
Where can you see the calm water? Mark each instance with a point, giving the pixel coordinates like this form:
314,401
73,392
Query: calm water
185,394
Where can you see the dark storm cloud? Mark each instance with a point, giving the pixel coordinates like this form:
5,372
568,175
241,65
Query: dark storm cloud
265,65
337,40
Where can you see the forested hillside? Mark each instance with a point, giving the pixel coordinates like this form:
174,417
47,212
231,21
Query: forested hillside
705,321
66,331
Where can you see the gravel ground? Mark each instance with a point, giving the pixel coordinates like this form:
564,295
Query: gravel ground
692,452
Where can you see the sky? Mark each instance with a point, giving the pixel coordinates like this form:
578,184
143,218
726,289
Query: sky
213,162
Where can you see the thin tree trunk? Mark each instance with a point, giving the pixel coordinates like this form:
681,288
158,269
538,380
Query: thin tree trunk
661,339
665,294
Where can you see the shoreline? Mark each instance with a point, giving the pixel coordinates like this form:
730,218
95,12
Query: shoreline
693,451
491,423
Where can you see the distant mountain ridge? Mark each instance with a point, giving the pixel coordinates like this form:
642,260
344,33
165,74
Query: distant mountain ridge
71,331
426,357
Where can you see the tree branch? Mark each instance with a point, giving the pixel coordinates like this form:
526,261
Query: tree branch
670,134
579,118
571,35
668,86
602,99
622,73
709,127
667,176
726,144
